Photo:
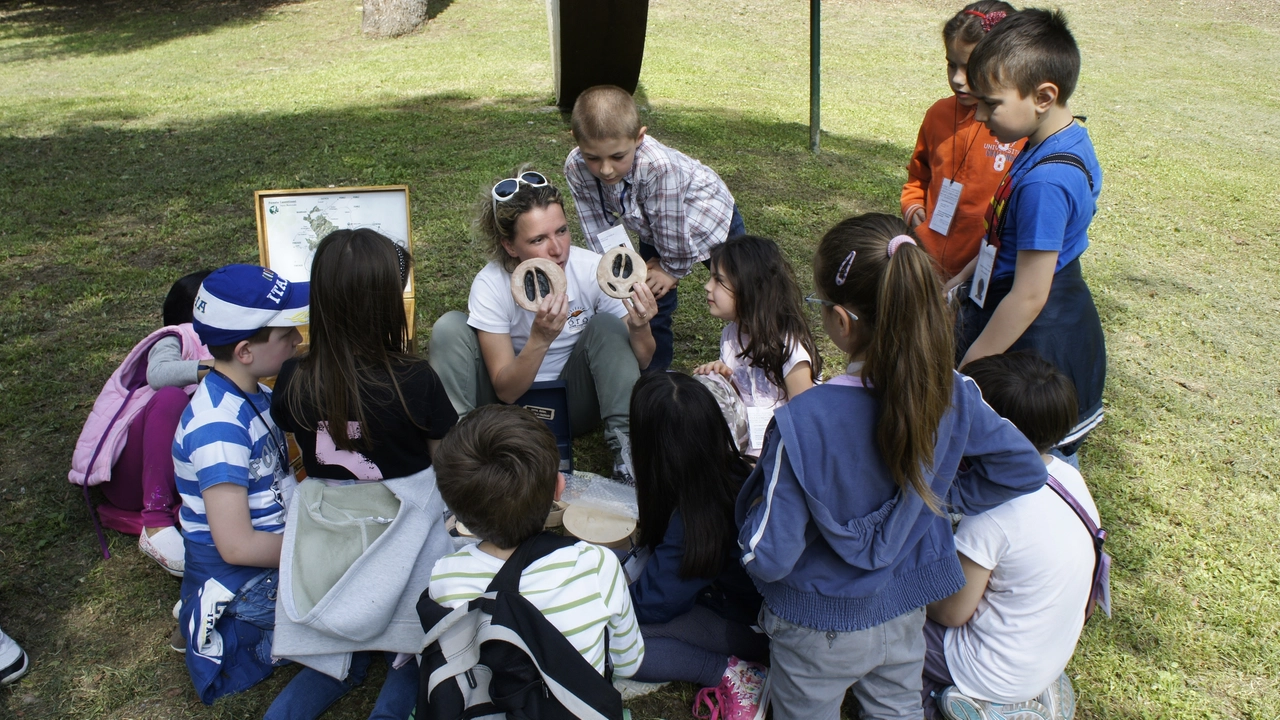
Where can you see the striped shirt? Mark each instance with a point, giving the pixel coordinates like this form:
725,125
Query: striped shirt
669,200
221,439
581,589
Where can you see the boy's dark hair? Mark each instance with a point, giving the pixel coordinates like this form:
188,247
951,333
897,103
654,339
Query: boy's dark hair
226,353
971,24
496,470
1026,49
1029,392
179,303
604,112
768,304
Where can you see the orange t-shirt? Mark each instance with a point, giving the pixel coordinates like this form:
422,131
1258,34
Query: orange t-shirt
953,145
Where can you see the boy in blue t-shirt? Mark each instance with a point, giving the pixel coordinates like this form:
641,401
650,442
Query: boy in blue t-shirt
232,469
1027,291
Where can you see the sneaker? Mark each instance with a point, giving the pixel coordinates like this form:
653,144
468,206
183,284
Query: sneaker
955,705
16,669
622,467
165,547
177,642
1059,699
743,694
1029,710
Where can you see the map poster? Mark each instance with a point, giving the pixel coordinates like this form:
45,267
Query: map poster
291,223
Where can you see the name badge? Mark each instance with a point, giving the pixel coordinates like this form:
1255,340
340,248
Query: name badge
982,273
613,237
945,210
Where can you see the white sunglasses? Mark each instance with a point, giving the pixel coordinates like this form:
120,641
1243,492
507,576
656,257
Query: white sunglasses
504,190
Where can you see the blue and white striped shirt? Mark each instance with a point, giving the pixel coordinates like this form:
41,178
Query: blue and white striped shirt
221,439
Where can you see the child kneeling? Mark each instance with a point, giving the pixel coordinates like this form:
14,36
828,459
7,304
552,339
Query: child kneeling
1028,567
498,471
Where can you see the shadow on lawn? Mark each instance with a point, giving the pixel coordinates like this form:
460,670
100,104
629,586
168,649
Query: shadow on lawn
100,221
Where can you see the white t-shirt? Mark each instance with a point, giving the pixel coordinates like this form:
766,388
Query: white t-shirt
759,395
1029,619
493,309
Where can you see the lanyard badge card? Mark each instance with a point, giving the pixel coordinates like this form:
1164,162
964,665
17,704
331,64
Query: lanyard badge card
613,237
944,211
982,273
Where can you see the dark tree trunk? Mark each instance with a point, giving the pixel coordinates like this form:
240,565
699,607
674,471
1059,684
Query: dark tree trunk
392,18
596,42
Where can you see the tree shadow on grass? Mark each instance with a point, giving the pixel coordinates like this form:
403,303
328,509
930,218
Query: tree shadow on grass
100,221
110,27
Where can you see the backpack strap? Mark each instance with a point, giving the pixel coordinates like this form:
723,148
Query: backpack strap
1100,588
1065,158
529,552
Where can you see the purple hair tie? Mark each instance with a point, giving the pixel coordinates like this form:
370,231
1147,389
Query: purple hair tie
898,242
843,273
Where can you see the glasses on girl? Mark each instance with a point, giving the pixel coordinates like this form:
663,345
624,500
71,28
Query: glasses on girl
503,190
813,300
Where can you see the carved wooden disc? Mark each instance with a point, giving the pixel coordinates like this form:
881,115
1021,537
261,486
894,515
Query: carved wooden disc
619,270
535,279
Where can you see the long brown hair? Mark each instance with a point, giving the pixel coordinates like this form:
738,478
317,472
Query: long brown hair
359,332
493,230
909,354
767,303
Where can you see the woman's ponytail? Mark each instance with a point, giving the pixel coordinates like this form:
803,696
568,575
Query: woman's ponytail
890,283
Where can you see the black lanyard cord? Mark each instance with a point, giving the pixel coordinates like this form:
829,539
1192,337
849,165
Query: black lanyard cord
280,453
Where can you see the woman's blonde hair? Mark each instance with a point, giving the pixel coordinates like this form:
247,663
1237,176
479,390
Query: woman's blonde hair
493,230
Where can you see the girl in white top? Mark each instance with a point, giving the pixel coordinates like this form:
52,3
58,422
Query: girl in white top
766,350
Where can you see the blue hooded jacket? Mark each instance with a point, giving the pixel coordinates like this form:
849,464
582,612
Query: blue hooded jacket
829,538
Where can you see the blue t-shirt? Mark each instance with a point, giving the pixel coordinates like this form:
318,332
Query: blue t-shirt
221,439
1052,205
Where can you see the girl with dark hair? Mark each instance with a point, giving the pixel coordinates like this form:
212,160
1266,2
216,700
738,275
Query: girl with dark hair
128,437
957,163
694,602
766,350
497,350
367,414
841,522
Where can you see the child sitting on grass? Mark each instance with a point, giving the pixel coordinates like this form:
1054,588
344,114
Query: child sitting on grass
498,472
1031,295
677,207
1028,567
232,470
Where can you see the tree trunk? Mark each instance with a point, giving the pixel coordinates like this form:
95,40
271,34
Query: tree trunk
392,18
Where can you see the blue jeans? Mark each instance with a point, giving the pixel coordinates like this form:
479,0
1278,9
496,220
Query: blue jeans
660,325
255,603
1073,459
310,692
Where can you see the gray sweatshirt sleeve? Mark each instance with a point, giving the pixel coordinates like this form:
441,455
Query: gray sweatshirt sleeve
166,368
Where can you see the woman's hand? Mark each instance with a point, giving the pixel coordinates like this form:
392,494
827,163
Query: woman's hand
641,307
713,367
553,313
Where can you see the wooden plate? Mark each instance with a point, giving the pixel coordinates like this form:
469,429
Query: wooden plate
619,270
535,279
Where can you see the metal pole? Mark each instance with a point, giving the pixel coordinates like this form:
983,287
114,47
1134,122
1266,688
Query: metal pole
815,73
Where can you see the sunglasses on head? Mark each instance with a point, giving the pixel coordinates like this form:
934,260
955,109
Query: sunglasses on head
503,190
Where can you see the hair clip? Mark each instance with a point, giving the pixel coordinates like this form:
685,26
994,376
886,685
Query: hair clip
843,273
404,265
899,241
989,20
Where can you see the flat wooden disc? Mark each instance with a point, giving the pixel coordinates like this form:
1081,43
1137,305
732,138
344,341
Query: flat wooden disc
535,279
597,526
619,270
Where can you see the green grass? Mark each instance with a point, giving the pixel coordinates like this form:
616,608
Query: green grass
134,134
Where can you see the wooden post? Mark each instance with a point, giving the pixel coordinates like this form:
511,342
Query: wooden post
815,74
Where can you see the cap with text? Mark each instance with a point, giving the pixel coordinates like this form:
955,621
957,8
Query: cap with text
237,301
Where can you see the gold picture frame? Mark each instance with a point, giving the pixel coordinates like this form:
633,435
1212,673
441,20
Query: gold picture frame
292,222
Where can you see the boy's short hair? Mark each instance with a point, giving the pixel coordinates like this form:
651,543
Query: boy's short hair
496,470
1026,49
1030,393
226,353
605,112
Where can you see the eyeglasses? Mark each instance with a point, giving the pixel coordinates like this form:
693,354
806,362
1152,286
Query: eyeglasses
503,190
813,299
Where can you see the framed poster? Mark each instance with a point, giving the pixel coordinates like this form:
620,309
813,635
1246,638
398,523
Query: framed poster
291,223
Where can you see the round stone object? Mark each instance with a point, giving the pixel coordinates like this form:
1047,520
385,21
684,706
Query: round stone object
619,270
535,279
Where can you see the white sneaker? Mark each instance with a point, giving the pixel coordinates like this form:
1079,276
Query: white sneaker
165,547
1059,698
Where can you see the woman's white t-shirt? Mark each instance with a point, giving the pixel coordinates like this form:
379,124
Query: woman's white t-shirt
752,384
492,308
1029,619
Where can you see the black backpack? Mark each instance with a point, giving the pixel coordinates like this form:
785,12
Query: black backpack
499,656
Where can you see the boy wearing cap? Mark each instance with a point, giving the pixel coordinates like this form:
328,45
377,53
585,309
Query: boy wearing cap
231,466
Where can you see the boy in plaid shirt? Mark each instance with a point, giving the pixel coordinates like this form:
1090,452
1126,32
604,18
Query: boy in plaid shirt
677,207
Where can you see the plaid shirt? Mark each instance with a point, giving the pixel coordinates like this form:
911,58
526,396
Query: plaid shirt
669,200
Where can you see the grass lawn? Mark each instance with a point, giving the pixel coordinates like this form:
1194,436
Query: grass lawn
133,135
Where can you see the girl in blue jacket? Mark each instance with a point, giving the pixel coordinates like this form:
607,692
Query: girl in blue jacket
842,522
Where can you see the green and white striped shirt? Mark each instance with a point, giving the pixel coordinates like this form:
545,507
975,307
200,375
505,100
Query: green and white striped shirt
581,589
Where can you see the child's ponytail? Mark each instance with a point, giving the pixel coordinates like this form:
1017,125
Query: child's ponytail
872,266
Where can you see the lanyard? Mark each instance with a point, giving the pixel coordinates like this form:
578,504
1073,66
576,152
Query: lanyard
968,146
280,453
611,218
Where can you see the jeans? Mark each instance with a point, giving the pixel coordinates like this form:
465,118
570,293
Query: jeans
695,647
660,325
255,603
310,692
